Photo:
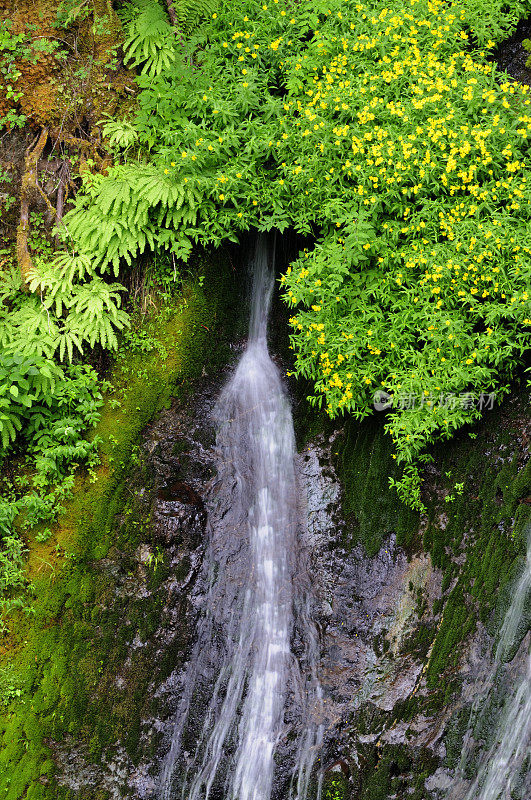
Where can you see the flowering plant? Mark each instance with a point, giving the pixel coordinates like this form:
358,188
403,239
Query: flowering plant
380,129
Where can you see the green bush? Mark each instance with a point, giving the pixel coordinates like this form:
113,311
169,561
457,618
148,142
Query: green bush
45,410
362,124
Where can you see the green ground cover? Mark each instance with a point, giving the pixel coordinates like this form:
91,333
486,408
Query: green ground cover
378,129
57,666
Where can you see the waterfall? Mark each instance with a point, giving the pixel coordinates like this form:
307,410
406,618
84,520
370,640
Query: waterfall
231,716
504,764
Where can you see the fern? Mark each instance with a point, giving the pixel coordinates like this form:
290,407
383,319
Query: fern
96,313
150,42
10,283
24,383
68,338
120,134
69,312
190,13
31,331
56,278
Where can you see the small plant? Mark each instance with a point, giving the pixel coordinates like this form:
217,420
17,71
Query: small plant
457,492
10,687
155,559
408,488
39,241
141,341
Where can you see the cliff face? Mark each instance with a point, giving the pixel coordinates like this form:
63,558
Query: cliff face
412,606
409,606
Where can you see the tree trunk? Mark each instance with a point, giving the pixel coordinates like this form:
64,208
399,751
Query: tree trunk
28,191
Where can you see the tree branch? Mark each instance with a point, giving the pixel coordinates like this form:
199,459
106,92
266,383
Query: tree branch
171,12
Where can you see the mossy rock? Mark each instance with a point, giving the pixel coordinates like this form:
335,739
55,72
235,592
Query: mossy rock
67,656
336,786
364,463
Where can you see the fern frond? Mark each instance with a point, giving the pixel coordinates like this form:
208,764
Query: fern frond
120,133
190,13
33,330
10,283
151,39
96,313
55,278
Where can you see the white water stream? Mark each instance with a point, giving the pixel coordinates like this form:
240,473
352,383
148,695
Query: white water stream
504,764
257,592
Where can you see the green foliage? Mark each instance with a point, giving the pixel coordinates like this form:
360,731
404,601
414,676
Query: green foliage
362,125
12,46
25,385
12,552
44,412
190,13
120,134
74,305
335,787
70,11
151,41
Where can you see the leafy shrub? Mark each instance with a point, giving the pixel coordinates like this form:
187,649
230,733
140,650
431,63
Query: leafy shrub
25,385
380,129
45,410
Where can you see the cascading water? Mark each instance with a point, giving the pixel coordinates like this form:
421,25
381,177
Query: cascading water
258,591
504,766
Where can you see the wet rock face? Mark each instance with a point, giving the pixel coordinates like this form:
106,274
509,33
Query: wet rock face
377,617
179,515
402,717
511,56
154,598
371,611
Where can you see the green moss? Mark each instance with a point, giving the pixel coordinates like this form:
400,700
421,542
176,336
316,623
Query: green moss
378,785
372,510
454,738
394,771
480,530
336,787
68,655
